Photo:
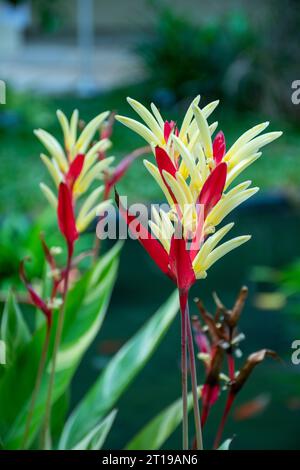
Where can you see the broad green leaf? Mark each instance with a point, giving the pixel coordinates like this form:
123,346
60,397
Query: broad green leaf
87,316
160,428
96,437
59,415
225,445
14,331
118,374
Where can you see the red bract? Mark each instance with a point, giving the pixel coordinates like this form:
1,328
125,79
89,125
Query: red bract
213,187
168,128
74,171
35,298
151,245
66,216
164,163
177,265
219,147
180,264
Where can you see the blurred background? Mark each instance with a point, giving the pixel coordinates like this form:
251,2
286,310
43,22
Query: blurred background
91,54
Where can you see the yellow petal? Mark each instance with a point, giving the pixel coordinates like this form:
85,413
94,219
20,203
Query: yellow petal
204,131
48,193
237,169
147,118
188,118
53,147
53,170
208,246
89,131
140,129
156,175
65,127
245,138
223,249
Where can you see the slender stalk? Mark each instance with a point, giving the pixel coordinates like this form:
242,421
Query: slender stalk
96,249
37,385
60,324
199,439
223,420
185,436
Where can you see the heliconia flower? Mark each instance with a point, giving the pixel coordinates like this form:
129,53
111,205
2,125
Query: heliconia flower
66,216
194,173
35,298
77,160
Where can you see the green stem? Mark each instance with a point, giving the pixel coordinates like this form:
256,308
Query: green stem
37,385
197,417
60,324
185,436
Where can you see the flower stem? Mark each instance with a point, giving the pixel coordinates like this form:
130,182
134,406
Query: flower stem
37,385
60,324
223,420
199,439
185,436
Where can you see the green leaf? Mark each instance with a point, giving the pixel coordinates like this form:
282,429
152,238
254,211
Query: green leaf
160,428
118,374
225,445
87,317
14,331
96,437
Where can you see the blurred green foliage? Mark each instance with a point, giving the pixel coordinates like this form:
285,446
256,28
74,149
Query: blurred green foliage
21,169
216,58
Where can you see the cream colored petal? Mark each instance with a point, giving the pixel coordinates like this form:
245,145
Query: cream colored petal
208,246
253,146
202,166
157,115
92,155
167,224
90,202
223,249
147,118
188,160
83,222
74,127
65,128
53,147
153,170
227,205
83,183
213,127
89,131
176,189
159,235
245,138
204,131
54,172
49,195
188,118
209,108
140,129
237,169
